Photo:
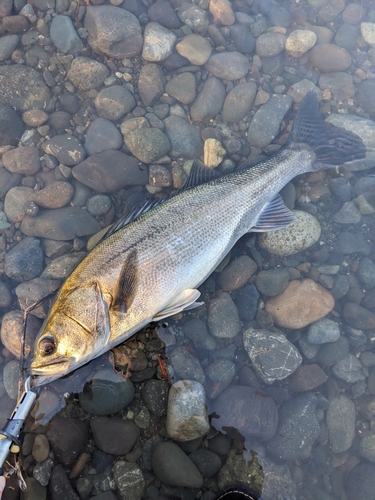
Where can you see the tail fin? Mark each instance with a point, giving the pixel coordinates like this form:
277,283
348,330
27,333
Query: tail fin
332,145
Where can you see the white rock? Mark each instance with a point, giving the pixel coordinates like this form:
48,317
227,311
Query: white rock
213,153
187,413
158,42
366,131
368,33
297,237
299,42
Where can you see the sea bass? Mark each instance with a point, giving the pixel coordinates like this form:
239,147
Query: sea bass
149,268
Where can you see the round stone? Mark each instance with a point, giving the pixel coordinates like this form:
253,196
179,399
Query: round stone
237,273
147,144
173,467
55,195
270,44
223,319
14,202
299,42
295,238
158,42
222,12
182,87
195,48
328,58
87,74
114,102
187,413
228,65
368,33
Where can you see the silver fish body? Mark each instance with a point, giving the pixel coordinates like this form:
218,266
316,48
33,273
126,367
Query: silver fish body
151,267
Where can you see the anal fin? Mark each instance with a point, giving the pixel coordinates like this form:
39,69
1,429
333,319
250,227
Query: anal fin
275,215
184,301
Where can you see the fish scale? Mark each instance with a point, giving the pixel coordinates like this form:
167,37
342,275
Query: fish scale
150,268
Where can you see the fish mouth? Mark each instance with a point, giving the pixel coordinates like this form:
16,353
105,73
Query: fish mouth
54,368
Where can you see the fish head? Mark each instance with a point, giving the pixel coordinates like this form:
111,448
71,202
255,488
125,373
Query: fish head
75,332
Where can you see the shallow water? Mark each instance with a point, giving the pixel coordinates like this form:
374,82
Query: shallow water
296,407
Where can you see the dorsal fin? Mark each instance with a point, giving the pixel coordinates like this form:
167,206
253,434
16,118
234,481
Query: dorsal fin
199,174
275,215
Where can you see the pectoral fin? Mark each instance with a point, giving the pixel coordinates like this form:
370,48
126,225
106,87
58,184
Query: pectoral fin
127,284
275,215
186,300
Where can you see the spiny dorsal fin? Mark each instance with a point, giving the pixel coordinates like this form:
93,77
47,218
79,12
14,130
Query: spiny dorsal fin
275,215
199,174
127,285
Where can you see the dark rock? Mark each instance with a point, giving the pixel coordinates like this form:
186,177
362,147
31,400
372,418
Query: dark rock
223,320
272,282
136,7
298,429
323,331
113,32
247,302
340,286
155,396
348,214
219,375
6,8
184,138
358,316
366,273
101,136
228,65
23,88
109,171
147,144
69,103
242,38
307,378
328,57
173,467
360,482
67,149
151,83
23,160
341,416
272,356
207,463
60,224
346,36
364,95
220,444
239,102
11,126
186,365
114,435
209,102
182,87
341,188
114,102
60,487
195,330
68,437
59,121
162,12
237,273
333,352
349,243
86,73
349,369
64,35
129,480
243,413
25,260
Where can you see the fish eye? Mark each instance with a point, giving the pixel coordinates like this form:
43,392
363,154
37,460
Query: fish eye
47,346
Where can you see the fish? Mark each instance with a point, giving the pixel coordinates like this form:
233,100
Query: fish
151,262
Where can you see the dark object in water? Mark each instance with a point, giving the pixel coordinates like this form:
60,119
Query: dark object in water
237,493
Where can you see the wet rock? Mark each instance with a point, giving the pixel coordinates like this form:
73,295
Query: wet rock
158,42
207,463
219,375
328,58
7,45
147,144
101,136
35,490
40,449
272,356
129,480
186,365
358,316
64,35
184,138
222,12
25,260
113,32
265,125
24,160
341,417
237,273
107,393
213,153
367,448
151,83
173,467
360,482
348,214
249,415
298,429
14,202
239,102
114,102
60,224
61,267
300,304
339,84
194,17
322,331
155,396
299,42
162,12
109,171
86,73
346,37
12,332
6,8
187,413
67,149
297,237
98,205
182,87
270,44
307,378
349,243
223,320
195,48
272,282
5,295
300,89
11,126
23,88
209,102
366,273
114,435
55,195
35,117
349,369
330,10
228,65
60,486
247,302
68,437
11,376
242,38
